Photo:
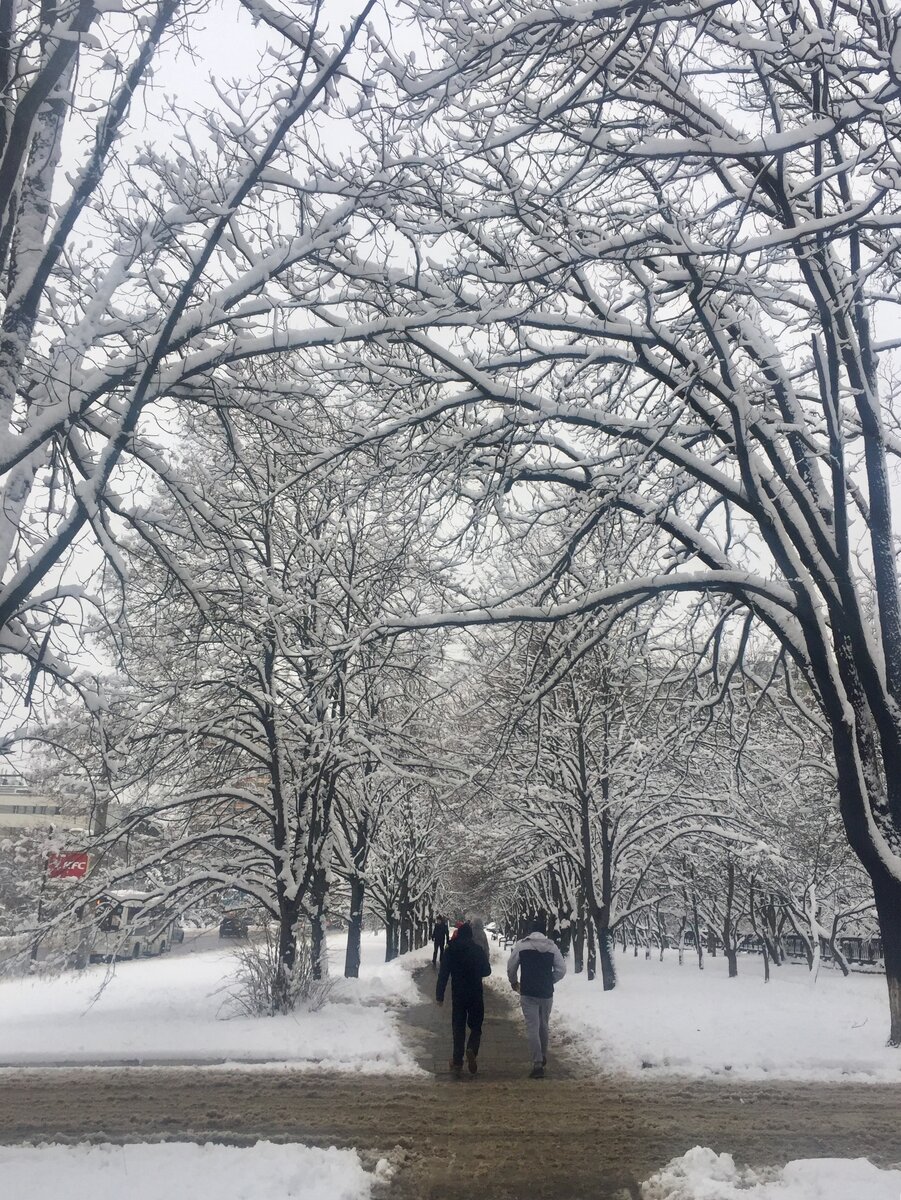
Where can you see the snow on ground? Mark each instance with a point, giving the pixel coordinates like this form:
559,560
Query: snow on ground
703,1175
679,1020
178,1008
172,1169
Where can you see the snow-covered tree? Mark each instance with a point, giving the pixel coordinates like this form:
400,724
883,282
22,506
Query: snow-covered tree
590,772
252,726
405,868
657,245
397,755
148,247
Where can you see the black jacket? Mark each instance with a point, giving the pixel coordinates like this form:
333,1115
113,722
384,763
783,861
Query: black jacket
466,965
441,933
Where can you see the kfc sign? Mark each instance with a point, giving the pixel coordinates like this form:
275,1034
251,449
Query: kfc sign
67,864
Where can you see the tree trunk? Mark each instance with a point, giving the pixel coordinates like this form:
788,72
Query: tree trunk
579,945
696,926
887,894
807,943
837,955
729,934
287,956
608,967
857,817
354,929
319,891
777,949
599,914
406,932
318,945
566,935
661,932
770,933
592,958
390,938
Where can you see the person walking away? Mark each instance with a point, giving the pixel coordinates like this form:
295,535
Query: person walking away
440,938
465,964
540,965
479,936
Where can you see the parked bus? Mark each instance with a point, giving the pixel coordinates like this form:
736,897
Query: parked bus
124,930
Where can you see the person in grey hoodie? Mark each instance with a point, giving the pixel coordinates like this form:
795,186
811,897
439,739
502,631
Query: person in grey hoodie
539,965
479,936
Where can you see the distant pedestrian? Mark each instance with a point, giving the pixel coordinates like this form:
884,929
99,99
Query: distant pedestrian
440,938
479,936
457,927
465,964
540,965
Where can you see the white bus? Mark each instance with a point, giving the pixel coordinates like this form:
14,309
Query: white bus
123,930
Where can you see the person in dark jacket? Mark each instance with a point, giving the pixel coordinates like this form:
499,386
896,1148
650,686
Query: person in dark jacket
540,965
465,964
440,938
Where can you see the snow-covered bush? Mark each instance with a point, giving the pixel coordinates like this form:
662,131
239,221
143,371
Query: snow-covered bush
264,988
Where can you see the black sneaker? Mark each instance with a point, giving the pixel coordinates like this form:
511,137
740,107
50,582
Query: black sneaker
456,1069
536,1072
472,1061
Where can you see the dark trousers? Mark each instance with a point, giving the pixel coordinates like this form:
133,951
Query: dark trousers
467,1010
438,950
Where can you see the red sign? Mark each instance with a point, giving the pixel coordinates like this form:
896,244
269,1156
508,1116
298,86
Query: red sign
67,864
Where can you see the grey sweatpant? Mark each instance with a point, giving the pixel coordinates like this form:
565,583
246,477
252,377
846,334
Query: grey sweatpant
537,1012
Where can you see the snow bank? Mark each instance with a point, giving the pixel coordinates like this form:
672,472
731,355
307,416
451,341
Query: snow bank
173,1169
703,1175
177,1009
679,1020
379,982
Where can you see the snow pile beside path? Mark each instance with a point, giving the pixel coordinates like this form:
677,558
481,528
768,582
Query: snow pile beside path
679,1020
379,982
176,1009
703,1175
172,1169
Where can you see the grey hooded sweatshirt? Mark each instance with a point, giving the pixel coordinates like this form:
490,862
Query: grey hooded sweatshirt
479,936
